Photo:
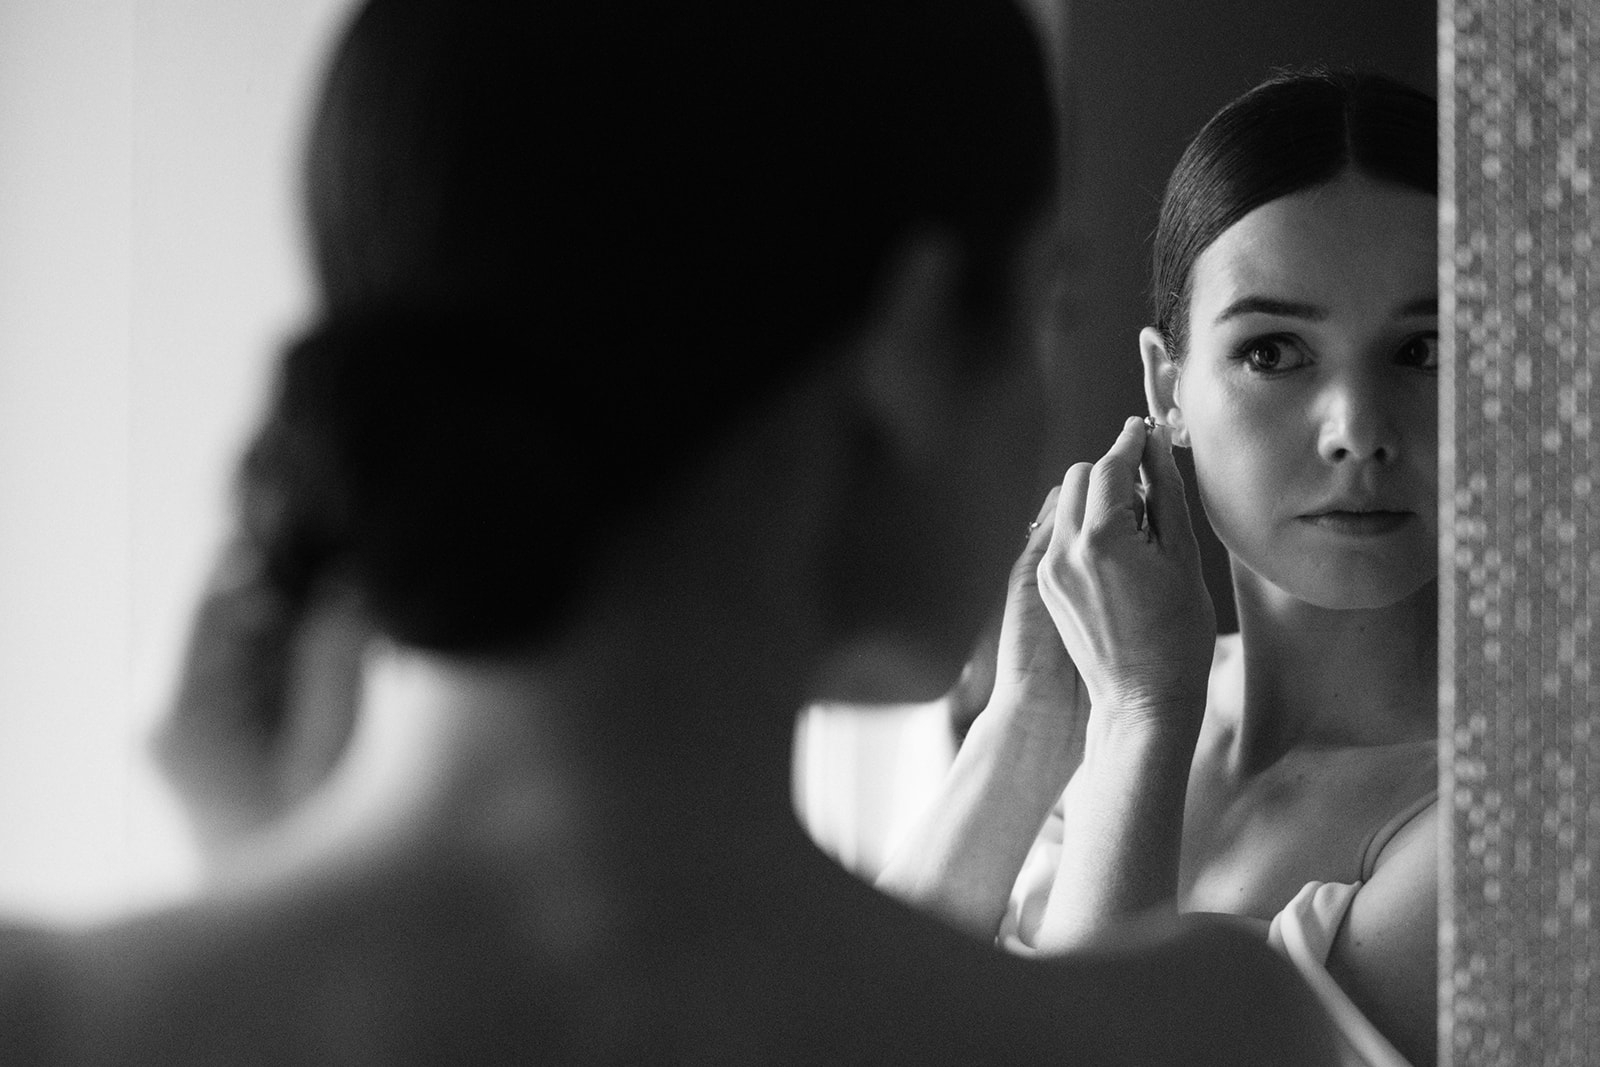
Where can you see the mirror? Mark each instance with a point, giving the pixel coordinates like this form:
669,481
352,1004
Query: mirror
1141,80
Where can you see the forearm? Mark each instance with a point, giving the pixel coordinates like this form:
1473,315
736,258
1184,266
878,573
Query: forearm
1122,830
962,856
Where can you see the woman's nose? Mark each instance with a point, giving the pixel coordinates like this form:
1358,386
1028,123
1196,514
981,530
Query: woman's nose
1357,423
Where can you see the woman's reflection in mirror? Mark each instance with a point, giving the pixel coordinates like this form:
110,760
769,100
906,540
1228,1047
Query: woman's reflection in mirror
1129,760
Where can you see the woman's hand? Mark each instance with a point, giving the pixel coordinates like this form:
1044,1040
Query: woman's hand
1121,579
1036,685
960,857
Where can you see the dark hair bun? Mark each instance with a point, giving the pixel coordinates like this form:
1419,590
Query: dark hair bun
423,454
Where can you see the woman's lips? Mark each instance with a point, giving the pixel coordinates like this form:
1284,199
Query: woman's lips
1360,523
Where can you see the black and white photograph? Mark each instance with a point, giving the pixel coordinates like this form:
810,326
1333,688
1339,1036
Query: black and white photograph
923,532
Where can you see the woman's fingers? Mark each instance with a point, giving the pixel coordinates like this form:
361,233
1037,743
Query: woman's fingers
1135,488
1039,532
1040,528
1073,500
1029,666
1166,507
1126,597
1113,502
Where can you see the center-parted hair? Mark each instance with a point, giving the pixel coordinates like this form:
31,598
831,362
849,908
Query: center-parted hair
560,246
1296,130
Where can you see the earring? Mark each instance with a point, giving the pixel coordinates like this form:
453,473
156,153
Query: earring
1179,438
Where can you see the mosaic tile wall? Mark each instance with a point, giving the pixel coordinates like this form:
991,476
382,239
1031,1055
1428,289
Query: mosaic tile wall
1522,548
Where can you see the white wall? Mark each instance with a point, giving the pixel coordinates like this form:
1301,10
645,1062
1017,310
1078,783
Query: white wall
863,776
149,263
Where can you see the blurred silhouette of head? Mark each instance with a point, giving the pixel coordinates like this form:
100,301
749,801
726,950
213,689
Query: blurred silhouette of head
561,246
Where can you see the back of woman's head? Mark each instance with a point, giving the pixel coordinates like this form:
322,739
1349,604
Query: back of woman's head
561,245
1296,130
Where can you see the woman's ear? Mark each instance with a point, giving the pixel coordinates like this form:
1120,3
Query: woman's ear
1161,384
940,423
909,347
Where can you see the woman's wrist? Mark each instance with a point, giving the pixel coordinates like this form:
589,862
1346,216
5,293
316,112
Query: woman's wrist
1148,736
1030,733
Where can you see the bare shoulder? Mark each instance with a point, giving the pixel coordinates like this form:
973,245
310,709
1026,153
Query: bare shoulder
843,975
1385,955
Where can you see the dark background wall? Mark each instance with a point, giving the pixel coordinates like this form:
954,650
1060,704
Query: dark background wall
1141,77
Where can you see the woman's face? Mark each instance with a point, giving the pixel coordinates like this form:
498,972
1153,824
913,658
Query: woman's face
1309,392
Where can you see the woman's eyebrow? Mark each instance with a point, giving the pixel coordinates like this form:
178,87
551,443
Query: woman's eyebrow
1269,305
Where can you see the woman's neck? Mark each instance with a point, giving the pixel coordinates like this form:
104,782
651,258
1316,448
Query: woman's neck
1317,677
616,740
616,747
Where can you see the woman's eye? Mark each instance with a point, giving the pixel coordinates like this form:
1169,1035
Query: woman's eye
1421,352
1267,355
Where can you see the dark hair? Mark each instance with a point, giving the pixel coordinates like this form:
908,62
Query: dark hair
561,245
1297,129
